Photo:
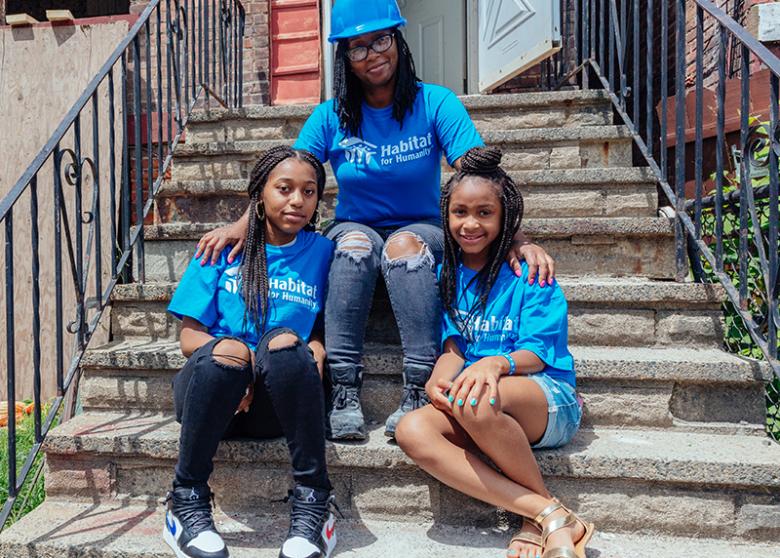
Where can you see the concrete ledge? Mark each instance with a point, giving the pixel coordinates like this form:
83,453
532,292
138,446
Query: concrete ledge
122,530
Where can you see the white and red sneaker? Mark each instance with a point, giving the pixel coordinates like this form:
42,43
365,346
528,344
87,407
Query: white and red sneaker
312,532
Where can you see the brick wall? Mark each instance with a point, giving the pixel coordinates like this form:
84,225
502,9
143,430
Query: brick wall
256,53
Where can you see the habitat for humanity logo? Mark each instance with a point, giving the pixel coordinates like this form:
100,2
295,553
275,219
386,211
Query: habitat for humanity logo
357,151
231,283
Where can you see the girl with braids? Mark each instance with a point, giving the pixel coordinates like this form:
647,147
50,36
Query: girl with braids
504,384
251,330
384,134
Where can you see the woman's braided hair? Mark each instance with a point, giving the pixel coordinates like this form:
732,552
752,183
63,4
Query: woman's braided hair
482,162
348,91
254,266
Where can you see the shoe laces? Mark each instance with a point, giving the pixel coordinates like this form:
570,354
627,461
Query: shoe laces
308,517
414,396
345,397
193,510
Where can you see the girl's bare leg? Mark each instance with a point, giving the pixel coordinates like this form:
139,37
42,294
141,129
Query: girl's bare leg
439,444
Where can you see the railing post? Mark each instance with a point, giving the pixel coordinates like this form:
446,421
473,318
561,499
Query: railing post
679,145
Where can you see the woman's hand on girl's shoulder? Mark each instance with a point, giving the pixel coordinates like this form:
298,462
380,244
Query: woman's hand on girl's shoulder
538,260
213,242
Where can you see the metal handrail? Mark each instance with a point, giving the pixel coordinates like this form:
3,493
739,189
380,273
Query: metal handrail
602,31
188,56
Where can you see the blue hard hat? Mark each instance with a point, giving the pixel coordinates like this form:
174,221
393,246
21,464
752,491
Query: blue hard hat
351,18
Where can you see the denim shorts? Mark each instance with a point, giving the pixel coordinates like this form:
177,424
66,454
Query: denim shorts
563,411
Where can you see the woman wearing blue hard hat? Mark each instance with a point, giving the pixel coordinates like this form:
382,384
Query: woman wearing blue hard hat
384,134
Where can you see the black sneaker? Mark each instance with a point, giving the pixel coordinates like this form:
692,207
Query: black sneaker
312,531
413,397
189,526
345,419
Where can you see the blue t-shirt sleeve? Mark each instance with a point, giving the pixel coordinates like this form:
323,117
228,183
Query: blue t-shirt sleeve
196,295
543,327
314,135
454,128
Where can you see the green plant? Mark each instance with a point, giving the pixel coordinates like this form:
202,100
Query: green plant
32,492
736,336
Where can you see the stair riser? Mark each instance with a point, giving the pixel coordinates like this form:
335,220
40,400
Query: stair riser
619,326
408,494
559,155
564,202
607,403
572,116
605,256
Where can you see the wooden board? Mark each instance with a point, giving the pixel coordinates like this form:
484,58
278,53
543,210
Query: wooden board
59,15
17,20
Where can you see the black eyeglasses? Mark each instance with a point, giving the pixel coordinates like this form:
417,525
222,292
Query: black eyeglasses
380,44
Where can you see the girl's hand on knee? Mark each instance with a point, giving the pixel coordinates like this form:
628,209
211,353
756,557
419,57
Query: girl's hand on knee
436,393
470,386
246,401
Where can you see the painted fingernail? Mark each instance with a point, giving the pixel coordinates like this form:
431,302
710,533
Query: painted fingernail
492,400
460,402
450,398
473,401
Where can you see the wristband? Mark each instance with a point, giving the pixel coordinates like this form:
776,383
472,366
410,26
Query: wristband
512,365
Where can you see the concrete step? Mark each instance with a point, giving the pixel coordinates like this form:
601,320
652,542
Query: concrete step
618,246
120,530
625,480
618,192
602,311
503,112
534,148
686,389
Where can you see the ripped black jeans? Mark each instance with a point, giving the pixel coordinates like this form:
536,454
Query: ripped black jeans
288,401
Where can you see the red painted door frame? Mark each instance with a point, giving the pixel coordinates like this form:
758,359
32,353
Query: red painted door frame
295,52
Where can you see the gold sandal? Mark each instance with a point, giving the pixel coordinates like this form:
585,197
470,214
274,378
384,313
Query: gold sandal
562,523
521,536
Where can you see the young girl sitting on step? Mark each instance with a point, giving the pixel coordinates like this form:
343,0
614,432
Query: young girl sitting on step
255,357
504,384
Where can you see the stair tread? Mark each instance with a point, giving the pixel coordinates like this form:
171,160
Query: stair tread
549,228
118,530
583,289
617,177
530,136
542,99
599,452
592,362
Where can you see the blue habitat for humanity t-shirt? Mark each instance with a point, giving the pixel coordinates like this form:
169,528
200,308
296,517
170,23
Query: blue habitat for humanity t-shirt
518,316
297,278
390,176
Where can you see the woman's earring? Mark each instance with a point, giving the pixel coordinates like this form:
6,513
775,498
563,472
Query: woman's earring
260,210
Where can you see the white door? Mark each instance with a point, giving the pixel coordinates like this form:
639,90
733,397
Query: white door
515,35
436,33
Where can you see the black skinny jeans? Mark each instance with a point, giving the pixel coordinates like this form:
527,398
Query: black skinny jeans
288,401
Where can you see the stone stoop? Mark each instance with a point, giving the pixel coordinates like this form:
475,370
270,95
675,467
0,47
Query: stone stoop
671,460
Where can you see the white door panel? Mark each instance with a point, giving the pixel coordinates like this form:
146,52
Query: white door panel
515,35
436,33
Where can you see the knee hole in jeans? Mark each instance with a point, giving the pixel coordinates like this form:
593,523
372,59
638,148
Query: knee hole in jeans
283,341
355,244
407,248
231,353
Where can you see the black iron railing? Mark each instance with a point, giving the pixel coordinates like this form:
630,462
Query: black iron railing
101,169
650,56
